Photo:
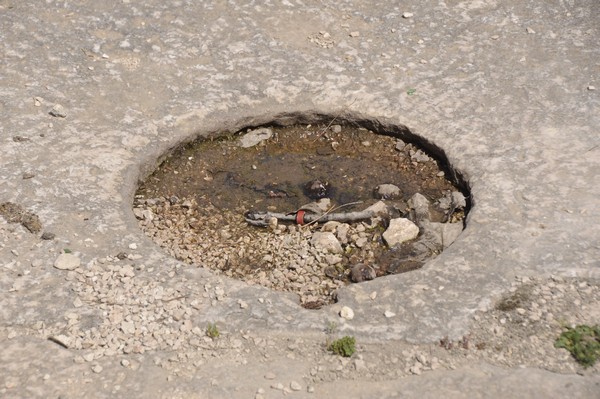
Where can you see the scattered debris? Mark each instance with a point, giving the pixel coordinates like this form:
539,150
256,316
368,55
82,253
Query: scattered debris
14,213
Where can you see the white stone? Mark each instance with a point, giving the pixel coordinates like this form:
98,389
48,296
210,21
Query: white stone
347,313
255,137
407,15
400,230
58,111
388,314
326,241
295,386
67,262
386,191
88,357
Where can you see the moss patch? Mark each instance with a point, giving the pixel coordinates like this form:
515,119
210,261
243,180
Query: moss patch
583,342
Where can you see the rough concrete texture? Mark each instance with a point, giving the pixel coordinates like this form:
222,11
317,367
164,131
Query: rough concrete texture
505,88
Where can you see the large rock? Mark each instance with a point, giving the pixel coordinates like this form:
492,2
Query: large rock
326,242
67,262
399,231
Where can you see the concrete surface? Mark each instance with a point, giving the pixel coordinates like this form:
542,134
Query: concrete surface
509,90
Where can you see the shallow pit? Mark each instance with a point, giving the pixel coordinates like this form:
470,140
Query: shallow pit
203,202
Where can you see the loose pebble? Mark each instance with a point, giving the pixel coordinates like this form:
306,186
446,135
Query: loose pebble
58,111
295,386
347,313
270,376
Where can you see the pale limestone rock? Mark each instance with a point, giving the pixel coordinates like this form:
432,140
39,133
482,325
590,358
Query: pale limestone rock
327,242
400,230
347,313
67,262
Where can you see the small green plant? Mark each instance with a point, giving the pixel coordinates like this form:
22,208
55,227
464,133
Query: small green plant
411,91
331,327
583,342
212,330
344,346
67,251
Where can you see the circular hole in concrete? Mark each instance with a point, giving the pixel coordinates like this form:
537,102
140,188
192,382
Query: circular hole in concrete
305,207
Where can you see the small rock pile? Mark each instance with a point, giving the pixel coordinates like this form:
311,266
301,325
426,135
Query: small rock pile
312,260
308,260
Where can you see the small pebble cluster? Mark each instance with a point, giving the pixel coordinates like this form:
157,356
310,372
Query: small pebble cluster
309,260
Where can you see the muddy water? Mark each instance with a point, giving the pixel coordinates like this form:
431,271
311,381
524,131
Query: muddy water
274,174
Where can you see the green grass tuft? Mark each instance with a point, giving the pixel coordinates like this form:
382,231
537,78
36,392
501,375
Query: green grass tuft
583,342
212,330
345,346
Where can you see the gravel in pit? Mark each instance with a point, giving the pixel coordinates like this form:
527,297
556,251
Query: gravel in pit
194,206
